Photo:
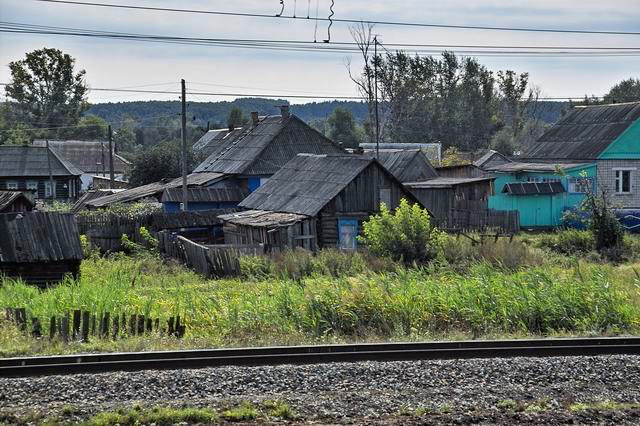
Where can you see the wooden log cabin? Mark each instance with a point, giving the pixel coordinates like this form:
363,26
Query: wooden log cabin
315,201
39,248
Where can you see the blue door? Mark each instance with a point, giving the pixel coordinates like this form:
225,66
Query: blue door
347,232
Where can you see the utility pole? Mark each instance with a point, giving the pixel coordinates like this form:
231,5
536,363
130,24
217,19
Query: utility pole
375,77
184,146
111,174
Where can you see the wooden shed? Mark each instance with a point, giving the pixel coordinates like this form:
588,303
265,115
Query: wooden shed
39,248
15,201
325,198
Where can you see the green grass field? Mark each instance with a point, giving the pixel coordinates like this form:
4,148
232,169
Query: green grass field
498,290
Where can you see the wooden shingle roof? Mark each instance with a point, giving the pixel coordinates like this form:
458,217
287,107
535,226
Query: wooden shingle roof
8,197
407,165
584,133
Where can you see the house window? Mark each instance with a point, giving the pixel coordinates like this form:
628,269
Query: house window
32,185
47,190
579,185
12,184
623,182
385,196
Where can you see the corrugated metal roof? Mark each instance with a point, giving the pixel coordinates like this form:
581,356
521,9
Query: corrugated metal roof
534,167
207,144
584,133
264,148
91,196
87,156
172,195
39,237
261,218
492,156
407,165
533,188
8,197
447,182
431,150
27,160
307,183
154,189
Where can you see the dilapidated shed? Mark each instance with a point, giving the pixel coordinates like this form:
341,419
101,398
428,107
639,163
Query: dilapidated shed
15,201
39,248
317,201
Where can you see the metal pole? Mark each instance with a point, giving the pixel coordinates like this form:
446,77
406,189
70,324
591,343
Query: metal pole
111,173
184,145
375,76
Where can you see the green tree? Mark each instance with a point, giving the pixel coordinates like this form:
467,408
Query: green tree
47,90
90,127
236,118
157,163
343,128
406,234
625,91
511,90
124,138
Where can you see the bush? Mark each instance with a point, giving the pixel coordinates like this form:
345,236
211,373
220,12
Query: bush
570,241
406,234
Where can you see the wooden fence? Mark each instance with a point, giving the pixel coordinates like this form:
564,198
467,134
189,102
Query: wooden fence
210,261
83,325
105,230
506,222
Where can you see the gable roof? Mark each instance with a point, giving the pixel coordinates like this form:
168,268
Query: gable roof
154,189
491,157
207,144
407,165
307,183
87,156
8,197
267,146
584,133
28,160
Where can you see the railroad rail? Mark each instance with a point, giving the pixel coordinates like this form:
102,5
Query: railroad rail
135,361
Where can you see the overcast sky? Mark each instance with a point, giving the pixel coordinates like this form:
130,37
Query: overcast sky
117,64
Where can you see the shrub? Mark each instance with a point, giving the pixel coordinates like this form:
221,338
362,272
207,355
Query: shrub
570,241
407,234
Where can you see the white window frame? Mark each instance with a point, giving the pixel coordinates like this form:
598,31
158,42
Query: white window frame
32,185
12,185
47,189
573,181
618,180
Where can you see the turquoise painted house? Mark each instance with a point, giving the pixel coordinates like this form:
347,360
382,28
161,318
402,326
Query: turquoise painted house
593,145
540,191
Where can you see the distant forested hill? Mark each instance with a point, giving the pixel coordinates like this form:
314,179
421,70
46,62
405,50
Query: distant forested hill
216,112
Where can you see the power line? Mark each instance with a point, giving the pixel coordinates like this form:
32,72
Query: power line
343,20
301,46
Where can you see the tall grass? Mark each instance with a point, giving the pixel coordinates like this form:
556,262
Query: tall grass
342,298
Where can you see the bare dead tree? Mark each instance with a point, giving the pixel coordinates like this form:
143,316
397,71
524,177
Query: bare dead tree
364,38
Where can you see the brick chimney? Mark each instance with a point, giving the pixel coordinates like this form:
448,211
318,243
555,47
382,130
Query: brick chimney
254,118
284,112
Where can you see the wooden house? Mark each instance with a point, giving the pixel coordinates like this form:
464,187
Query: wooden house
91,157
315,201
39,248
33,169
15,202
250,157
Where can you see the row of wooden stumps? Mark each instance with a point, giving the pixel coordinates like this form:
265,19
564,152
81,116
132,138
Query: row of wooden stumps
82,324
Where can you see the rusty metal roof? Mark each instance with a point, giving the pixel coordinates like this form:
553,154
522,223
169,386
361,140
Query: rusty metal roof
584,133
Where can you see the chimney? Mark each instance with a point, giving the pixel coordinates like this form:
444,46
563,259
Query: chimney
254,118
284,112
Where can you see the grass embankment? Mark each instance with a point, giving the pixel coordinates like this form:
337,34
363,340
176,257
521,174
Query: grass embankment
496,290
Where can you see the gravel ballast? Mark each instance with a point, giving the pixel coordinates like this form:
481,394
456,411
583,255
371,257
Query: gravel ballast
541,390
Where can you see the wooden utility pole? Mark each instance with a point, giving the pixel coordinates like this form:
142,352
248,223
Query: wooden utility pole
184,146
111,174
375,77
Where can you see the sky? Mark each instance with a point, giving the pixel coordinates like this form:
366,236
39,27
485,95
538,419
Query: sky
158,66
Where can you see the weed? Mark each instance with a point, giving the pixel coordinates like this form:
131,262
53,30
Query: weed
243,412
157,415
507,405
606,405
279,409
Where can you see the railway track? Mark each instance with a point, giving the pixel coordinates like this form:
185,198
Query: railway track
133,361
